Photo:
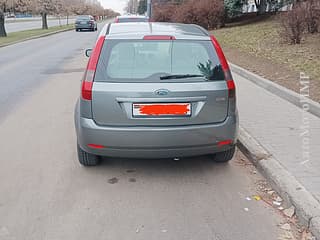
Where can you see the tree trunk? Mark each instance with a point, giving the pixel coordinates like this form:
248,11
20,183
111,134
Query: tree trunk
3,32
261,6
44,21
67,18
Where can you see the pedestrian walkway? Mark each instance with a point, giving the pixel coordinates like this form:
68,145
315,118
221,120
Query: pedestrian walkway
291,135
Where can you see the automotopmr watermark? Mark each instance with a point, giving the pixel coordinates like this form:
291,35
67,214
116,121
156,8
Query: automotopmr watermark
304,81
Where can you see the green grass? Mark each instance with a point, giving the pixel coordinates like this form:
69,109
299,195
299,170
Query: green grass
19,36
262,40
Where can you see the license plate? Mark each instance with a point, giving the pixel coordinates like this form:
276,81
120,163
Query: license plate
161,109
83,22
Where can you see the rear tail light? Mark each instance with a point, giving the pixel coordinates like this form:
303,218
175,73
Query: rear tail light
225,142
95,146
116,20
86,89
225,68
87,83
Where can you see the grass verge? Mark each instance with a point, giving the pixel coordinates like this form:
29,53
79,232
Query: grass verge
23,35
258,47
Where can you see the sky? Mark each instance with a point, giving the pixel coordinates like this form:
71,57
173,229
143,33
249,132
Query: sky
116,5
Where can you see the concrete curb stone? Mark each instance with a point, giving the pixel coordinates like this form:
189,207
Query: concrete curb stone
288,187
278,90
315,226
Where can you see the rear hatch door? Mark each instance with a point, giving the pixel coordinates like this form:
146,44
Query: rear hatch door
159,83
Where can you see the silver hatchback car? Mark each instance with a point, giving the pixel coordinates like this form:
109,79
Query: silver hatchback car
156,90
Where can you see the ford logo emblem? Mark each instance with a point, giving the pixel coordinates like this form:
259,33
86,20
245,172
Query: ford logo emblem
162,92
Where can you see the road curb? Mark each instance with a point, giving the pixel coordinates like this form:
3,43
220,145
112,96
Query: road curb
35,37
278,90
288,187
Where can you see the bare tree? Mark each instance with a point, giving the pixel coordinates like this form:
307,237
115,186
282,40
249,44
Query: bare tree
67,9
15,5
81,7
3,4
109,13
45,7
22,6
132,6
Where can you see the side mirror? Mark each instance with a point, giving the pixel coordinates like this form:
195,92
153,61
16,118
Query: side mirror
88,52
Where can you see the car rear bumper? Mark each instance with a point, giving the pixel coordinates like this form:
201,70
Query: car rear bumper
84,26
156,142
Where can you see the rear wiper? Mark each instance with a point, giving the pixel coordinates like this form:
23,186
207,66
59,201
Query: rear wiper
178,76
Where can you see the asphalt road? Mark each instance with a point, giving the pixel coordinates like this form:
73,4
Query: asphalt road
27,25
46,194
27,65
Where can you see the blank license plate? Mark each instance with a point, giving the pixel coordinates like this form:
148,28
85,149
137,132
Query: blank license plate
161,109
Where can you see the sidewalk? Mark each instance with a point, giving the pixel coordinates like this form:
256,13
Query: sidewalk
278,126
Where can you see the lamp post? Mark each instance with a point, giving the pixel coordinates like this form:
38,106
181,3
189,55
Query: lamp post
149,9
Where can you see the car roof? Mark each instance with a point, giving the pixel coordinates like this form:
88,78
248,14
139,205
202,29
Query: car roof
138,30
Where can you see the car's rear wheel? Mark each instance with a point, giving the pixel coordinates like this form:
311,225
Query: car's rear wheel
224,156
87,159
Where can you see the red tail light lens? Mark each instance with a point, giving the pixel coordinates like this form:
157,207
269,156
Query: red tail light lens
93,61
87,83
225,142
95,146
225,67
231,88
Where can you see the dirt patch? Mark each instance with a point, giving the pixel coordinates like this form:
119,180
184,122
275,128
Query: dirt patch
278,73
264,193
113,180
258,48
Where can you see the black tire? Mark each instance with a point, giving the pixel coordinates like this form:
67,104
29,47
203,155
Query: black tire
224,156
77,29
87,159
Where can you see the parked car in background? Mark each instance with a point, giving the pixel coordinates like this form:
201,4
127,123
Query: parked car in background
11,15
131,18
156,90
85,22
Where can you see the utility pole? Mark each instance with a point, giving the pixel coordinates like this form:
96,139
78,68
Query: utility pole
149,8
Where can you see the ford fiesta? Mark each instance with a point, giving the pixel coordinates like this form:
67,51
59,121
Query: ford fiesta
156,90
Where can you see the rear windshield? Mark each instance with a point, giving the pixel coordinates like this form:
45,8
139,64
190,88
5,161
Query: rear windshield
124,20
148,61
83,17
